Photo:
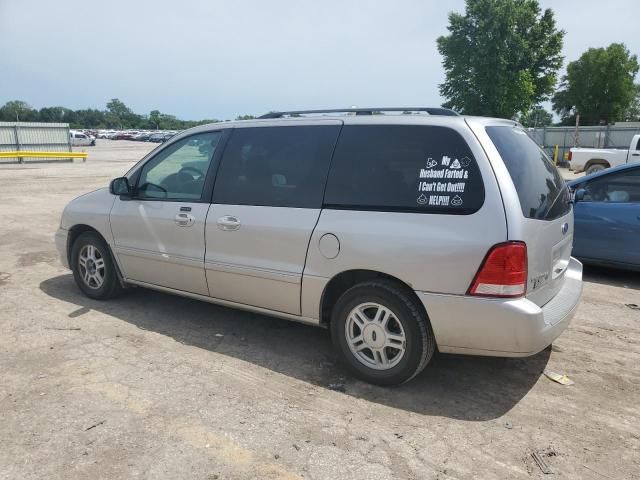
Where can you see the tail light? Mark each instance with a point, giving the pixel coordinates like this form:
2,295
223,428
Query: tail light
570,155
503,272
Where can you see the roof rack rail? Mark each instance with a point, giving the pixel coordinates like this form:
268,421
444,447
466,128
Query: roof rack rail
365,111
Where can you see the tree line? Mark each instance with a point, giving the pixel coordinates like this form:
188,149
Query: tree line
116,116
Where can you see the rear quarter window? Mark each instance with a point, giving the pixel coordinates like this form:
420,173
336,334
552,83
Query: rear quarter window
409,168
542,192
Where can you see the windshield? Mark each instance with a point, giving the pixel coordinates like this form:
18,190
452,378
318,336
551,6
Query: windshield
542,191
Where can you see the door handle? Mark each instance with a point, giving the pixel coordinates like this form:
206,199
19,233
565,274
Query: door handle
228,223
184,220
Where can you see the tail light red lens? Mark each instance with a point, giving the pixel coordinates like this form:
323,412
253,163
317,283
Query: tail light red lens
503,272
569,156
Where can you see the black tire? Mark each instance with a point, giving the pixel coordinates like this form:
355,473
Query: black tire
110,286
419,342
594,168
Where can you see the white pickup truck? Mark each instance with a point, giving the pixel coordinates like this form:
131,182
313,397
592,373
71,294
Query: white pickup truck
81,139
591,160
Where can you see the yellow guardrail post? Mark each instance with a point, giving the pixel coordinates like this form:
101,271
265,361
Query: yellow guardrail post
32,154
555,155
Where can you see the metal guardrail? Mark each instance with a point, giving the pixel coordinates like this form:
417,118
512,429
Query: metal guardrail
35,142
34,154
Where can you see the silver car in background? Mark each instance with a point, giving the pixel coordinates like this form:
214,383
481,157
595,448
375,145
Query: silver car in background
402,234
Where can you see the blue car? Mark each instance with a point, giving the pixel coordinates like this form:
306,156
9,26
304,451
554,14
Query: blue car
607,217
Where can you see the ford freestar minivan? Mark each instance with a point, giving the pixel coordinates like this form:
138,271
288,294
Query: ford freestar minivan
401,233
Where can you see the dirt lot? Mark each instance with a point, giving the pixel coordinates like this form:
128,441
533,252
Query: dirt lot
157,386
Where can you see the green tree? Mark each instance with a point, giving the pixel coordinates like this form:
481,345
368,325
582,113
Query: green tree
117,115
17,110
536,117
633,111
154,119
245,117
53,114
120,116
88,118
599,86
500,57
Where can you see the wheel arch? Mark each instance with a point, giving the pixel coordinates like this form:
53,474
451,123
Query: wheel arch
596,161
343,281
79,229
76,231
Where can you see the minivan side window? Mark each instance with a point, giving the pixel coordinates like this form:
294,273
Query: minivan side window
410,168
276,166
178,172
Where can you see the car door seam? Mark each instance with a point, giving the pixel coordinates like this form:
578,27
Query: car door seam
204,257
324,192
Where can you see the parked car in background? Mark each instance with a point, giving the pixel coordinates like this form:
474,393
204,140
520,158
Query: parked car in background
80,139
607,217
399,233
124,135
592,160
156,138
167,136
141,136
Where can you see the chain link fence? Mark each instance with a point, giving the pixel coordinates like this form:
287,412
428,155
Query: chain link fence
604,136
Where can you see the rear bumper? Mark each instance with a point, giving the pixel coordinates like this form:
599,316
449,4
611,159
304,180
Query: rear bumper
502,327
61,245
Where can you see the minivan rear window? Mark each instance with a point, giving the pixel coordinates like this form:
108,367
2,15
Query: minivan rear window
405,168
541,190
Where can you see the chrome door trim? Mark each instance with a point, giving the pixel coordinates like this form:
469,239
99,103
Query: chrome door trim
226,303
165,257
277,275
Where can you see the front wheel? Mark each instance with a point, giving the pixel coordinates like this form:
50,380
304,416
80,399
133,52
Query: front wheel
93,268
381,333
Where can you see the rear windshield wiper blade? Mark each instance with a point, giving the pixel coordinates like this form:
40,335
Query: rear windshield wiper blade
564,188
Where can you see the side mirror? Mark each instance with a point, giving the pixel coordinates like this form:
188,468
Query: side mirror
120,186
579,195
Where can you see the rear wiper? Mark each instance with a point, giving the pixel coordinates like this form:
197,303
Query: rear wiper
555,199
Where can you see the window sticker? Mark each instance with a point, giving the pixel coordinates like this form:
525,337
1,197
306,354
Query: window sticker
443,183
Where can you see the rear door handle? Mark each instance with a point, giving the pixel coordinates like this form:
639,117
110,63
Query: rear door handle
184,220
228,223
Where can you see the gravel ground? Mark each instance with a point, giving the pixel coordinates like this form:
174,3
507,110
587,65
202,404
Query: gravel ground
157,386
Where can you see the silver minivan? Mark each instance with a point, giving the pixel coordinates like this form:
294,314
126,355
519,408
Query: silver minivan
402,234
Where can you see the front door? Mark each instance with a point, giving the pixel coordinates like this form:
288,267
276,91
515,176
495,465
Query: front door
266,203
159,233
608,218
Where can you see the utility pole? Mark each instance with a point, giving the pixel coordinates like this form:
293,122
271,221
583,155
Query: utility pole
576,133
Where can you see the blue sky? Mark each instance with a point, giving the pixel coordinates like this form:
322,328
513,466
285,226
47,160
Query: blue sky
215,59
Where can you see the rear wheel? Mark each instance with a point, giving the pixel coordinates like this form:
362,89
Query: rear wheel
93,268
594,168
381,333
